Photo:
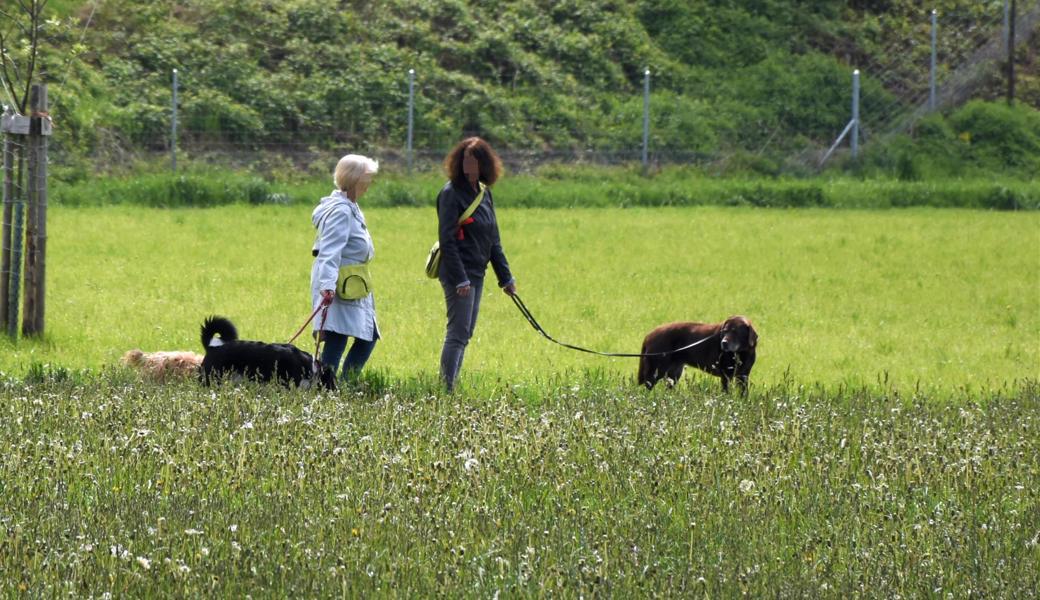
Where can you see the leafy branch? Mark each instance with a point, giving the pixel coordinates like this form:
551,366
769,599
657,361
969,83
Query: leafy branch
26,21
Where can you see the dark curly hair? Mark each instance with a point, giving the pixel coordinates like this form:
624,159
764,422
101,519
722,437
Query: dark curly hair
488,160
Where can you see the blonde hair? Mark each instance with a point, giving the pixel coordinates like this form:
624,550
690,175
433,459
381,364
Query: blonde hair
352,168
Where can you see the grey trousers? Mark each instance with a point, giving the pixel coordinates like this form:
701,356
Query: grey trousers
462,320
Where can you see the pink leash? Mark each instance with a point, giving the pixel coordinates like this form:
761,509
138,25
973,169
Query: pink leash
308,322
321,327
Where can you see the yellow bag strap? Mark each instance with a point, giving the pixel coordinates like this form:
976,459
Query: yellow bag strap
472,208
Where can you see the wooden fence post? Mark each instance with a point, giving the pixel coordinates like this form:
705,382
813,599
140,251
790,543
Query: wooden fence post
36,221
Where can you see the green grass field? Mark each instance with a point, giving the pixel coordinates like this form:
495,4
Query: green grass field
888,447
917,297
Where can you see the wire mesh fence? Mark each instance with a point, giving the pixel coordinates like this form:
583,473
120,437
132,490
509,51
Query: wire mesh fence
23,267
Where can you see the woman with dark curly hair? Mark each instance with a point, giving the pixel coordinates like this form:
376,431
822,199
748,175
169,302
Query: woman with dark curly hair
469,240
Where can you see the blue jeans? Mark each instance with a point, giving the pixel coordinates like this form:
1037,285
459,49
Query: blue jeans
336,343
462,320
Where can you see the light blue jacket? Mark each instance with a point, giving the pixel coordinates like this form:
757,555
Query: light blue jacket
343,239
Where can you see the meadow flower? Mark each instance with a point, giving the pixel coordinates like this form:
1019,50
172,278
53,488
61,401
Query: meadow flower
746,486
144,562
193,532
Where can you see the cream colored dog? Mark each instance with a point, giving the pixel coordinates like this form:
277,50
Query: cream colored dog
160,366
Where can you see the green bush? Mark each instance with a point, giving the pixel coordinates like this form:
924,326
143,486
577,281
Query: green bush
168,191
1000,136
559,186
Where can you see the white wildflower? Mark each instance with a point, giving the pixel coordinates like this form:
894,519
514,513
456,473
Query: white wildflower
746,486
144,562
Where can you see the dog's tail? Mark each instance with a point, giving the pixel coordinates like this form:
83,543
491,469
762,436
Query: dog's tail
218,326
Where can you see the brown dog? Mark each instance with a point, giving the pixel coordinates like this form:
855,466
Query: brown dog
163,366
729,356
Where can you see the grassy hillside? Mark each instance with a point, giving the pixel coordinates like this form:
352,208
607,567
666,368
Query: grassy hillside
752,82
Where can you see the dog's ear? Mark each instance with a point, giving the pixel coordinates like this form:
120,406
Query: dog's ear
752,336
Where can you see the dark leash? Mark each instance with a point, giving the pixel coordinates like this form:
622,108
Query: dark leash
534,323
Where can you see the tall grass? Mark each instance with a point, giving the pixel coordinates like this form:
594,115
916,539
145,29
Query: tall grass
943,298
581,487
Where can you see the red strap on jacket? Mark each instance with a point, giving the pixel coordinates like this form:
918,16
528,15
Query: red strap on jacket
461,235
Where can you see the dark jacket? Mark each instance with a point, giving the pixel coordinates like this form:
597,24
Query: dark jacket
466,260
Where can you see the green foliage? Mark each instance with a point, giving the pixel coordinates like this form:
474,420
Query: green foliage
976,140
999,135
752,79
559,186
168,190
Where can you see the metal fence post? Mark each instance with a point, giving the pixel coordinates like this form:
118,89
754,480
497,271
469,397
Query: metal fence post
173,125
931,78
5,279
411,109
855,113
646,118
14,125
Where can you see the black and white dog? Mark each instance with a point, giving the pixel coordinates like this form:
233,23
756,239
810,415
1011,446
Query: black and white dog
228,356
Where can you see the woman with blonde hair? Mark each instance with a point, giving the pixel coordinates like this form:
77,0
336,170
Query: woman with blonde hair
343,239
468,244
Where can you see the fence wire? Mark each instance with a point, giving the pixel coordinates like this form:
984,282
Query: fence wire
15,150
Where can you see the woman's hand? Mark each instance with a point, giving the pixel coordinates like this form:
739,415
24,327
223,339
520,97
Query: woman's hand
463,291
509,289
327,296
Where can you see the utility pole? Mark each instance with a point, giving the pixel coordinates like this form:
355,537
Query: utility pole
1011,56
